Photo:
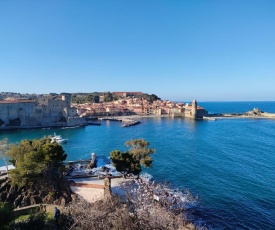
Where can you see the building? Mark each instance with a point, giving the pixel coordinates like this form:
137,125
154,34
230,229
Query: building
194,111
44,111
17,113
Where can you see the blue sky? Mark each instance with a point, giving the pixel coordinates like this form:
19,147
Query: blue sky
178,49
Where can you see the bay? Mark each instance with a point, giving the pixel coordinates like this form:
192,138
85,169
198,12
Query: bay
228,163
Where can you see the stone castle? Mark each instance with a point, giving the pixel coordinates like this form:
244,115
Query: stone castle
43,112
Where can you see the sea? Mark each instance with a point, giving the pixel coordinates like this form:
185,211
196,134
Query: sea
228,164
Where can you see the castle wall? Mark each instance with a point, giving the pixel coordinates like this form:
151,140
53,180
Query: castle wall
67,98
44,112
43,100
13,110
56,105
76,121
70,112
53,118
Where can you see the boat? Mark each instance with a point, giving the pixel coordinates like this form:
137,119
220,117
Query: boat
58,139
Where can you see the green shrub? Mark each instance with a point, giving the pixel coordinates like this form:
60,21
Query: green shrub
34,221
6,214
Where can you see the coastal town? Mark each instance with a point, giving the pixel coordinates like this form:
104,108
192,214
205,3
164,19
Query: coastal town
71,110
59,111
132,103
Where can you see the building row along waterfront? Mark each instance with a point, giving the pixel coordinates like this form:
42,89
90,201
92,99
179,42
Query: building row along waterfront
131,106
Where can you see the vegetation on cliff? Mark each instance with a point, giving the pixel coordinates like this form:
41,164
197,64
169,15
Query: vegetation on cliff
94,97
33,158
38,174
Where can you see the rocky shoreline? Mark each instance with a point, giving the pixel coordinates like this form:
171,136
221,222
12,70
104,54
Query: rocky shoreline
25,196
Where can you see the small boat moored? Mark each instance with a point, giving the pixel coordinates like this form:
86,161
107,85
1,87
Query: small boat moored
58,139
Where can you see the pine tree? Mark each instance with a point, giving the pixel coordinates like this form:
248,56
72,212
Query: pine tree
32,158
131,161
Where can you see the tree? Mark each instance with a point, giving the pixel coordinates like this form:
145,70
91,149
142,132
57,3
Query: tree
3,152
131,161
151,97
32,158
141,151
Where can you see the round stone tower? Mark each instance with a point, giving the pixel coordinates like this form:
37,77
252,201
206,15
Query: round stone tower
194,109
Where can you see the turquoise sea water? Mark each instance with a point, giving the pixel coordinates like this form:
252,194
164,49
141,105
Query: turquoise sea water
229,163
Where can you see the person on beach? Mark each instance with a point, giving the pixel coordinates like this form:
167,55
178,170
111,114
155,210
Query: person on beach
56,215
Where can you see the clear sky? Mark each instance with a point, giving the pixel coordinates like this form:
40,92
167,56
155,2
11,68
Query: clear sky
211,50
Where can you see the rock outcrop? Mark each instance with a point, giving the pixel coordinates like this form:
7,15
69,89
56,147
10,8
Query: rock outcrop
92,163
24,196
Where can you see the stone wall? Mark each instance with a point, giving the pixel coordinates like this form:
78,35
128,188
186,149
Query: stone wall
44,112
76,121
21,110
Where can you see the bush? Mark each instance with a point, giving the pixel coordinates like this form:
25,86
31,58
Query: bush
143,206
34,221
6,214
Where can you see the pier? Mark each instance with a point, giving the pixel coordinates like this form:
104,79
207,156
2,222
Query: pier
109,119
131,123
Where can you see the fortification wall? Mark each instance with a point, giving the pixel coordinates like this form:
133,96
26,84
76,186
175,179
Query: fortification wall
56,105
52,118
75,121
10,111
45,112
31,114
70,112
